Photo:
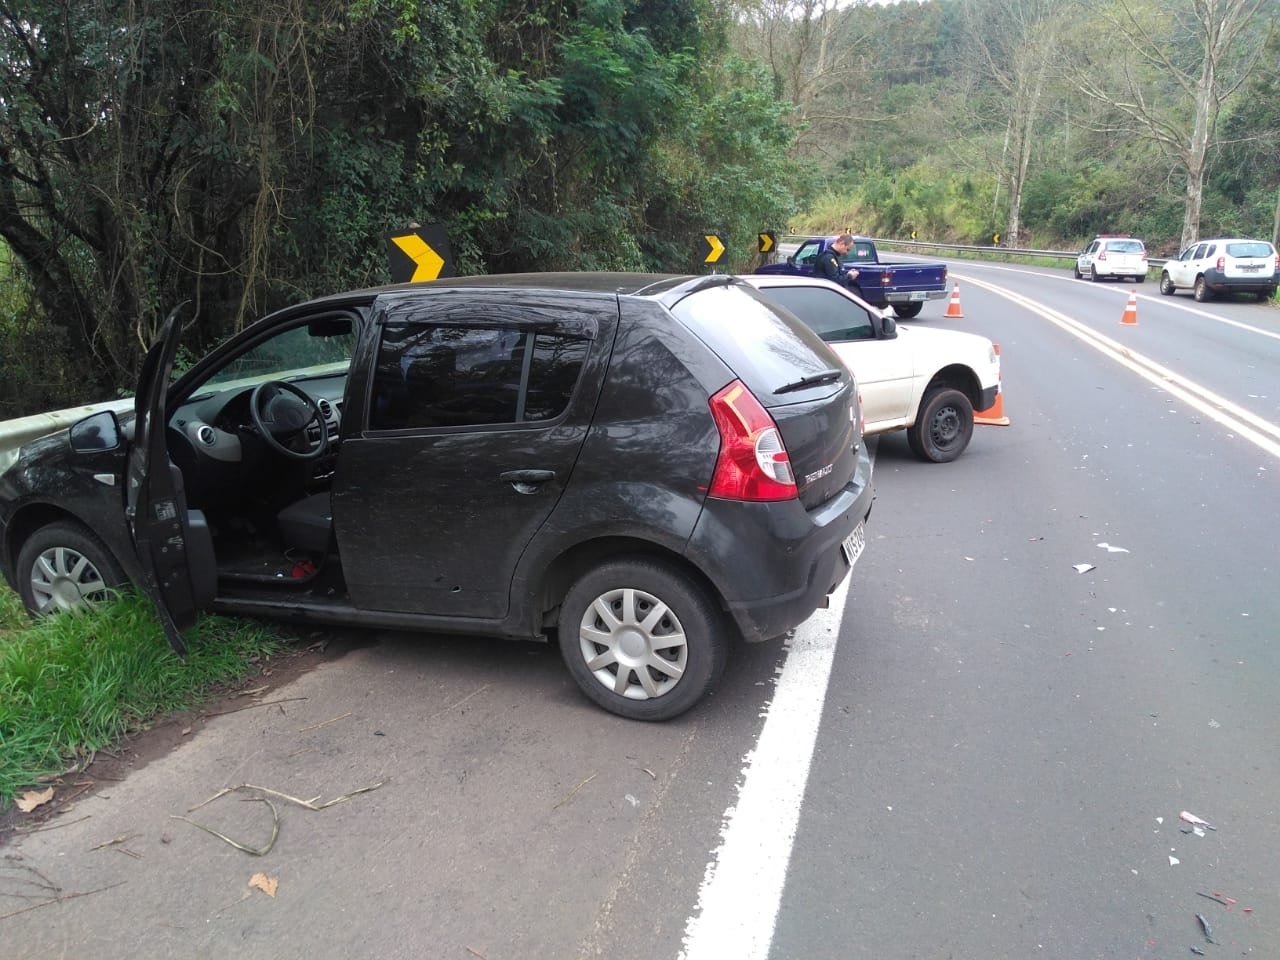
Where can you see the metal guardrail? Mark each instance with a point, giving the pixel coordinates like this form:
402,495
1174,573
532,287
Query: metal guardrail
14,433
924,246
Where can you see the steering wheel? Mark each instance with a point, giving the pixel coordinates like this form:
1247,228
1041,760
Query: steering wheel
282,412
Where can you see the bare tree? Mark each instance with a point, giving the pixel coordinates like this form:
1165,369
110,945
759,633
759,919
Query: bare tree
814,56
1013,43
1169,69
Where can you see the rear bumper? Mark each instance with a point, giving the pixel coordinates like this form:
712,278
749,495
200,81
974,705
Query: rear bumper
914,296
1261,283
775,563
1121,269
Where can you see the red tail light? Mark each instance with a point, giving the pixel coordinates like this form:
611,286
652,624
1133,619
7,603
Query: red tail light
753,462
1102,254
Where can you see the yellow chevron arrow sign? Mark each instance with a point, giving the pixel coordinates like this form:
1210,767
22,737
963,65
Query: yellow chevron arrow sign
767,241
427,263
715,246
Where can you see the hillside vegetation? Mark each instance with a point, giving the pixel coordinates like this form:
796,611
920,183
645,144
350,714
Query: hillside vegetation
243,156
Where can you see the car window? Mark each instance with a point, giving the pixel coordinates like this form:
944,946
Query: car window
807,252
1252,248
826,312
1199,252
438,375
766,347
860,253
1091,248
315,348
1125,246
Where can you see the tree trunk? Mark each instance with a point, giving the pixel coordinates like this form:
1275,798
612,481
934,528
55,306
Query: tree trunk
1198,149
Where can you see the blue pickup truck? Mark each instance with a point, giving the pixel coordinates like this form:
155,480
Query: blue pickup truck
904,286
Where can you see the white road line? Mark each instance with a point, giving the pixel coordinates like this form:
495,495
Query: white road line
742,888
1125,289
1260,432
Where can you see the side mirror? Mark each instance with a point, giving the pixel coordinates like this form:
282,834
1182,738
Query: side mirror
100,431
888,327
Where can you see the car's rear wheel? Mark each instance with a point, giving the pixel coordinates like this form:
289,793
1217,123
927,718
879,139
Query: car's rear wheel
944,426
1166,285
906,311
1093,275
63,566
642,639
1202,292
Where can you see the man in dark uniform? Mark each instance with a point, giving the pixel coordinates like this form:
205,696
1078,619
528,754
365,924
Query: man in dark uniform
828,262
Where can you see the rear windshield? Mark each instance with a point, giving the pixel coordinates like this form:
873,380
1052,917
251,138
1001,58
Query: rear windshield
1250,248
860,252
766,349
1125,246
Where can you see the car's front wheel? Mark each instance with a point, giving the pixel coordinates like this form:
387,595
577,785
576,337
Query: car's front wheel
944,426
642,639
1202,292
1077,272
63,566
1166,285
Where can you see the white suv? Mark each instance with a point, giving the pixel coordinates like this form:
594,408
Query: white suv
1113,255
1229,265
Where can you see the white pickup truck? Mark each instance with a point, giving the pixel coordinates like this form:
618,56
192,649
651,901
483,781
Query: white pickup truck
926,381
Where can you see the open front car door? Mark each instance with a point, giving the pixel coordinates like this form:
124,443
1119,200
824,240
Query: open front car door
173,544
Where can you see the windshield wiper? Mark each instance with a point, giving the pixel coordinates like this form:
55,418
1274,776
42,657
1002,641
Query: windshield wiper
826,376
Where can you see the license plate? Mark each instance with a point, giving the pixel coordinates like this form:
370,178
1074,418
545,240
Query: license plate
919,295
1251,267
853,544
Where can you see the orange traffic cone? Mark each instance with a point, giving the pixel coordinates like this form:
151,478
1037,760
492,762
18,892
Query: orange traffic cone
1131,309
953,308
995,416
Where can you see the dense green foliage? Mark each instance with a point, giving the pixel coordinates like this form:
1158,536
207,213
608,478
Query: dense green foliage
245,156
938,99
70,685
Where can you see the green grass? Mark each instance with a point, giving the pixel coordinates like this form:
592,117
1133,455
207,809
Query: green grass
73,684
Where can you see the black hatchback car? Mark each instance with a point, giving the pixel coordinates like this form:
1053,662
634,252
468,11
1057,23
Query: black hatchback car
638,465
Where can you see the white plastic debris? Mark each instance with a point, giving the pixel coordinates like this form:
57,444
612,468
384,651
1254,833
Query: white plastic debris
1193,819
1083,567
1110,549
1173,861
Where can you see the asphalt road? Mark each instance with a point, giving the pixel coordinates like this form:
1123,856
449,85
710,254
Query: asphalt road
980,752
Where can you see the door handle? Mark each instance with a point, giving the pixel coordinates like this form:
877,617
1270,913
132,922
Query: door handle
526,481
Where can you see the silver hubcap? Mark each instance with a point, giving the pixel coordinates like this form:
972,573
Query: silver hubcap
65,579
633,644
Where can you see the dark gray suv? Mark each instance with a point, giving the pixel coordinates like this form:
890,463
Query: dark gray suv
640,466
